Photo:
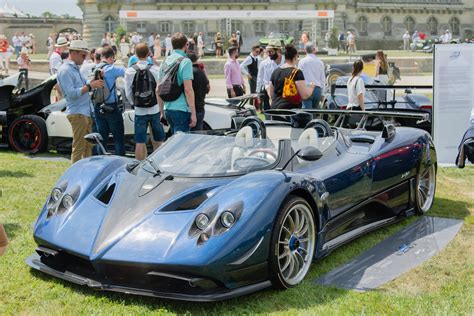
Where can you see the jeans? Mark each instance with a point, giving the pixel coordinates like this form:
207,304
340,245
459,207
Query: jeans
141,127
200,121
313,101
17,51
111,123
178,120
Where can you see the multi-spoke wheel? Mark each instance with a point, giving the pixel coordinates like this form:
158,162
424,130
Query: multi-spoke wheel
425,188
28,134
293,243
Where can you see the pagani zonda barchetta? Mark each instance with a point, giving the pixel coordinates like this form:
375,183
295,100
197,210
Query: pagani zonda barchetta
209,217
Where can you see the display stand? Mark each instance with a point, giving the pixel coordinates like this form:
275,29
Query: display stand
453,97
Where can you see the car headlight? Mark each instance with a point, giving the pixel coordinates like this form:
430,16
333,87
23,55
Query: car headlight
68,201
201,221
227,219
56,194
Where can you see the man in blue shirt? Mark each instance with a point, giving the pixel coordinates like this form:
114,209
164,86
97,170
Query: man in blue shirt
76,92
180,113
109,118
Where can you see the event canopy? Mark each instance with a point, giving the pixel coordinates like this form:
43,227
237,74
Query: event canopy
229,15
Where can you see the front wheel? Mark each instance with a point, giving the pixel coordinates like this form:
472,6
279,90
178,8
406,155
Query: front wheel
292,244
425,188
28,134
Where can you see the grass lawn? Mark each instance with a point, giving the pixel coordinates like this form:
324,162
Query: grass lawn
442,285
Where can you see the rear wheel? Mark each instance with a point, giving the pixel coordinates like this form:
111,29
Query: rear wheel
28,134
425,188
292,244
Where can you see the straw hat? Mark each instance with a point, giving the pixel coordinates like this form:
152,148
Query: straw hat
61,42
274,44
79,45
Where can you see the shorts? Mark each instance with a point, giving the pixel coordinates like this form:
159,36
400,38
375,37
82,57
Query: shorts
141,127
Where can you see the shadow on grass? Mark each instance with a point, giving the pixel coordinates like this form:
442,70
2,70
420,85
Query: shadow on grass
14,174
449,208
11,229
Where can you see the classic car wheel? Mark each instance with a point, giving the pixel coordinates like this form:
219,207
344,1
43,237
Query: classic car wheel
28,134
293,243
332,77
425,188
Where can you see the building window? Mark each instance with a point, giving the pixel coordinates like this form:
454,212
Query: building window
323,27
141,27
110,24
454,25
387,26
284,26
362,25
165,27
235,25
410,24
188,27
433,25
259,27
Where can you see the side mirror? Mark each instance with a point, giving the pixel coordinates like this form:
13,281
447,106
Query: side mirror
309,153
96,139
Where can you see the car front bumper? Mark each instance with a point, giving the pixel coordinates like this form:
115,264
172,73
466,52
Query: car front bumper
218,294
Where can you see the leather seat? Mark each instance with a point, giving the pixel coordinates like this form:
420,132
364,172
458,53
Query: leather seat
309,137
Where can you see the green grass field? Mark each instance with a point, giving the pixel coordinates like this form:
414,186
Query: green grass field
444,285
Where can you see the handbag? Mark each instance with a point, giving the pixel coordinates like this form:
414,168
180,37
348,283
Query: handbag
290,91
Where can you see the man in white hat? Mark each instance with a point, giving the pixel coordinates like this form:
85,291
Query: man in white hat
266,68
76,92
55,60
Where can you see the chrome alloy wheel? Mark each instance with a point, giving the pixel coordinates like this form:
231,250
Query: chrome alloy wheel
296,244
425,190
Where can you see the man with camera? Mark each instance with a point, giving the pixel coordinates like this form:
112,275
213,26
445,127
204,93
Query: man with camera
108,116
76,92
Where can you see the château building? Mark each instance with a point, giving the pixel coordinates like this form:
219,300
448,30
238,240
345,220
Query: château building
373,21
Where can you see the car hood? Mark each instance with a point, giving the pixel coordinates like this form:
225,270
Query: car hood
117,208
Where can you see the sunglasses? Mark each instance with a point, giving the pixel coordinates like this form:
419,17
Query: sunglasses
270,52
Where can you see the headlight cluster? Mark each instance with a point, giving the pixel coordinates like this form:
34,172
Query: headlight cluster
59,201
210,222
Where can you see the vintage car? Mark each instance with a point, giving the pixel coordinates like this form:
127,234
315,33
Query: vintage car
380,96
19,123
35,125
334,71
210,217
284,39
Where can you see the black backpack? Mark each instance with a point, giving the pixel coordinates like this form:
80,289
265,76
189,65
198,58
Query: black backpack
168,86
144,87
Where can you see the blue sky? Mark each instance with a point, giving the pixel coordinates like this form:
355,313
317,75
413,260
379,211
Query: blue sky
36,7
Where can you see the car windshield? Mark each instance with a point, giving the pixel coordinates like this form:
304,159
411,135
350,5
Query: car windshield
198,155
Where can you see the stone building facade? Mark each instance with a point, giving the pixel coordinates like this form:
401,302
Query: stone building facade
39,27
377,23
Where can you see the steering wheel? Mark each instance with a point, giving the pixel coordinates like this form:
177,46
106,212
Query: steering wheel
263,150
244,163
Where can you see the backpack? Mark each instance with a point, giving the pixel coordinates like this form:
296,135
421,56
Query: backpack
168,86
290,92
99,95
144,87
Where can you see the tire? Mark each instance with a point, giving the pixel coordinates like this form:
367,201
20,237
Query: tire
425,188
28,134
332,77
292,245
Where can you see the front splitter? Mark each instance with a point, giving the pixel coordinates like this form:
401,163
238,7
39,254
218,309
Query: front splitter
34,262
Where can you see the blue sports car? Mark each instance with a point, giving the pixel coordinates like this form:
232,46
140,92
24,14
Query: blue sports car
210,217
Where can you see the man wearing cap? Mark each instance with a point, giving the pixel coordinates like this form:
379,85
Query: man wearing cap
76,92
274,60
55,60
